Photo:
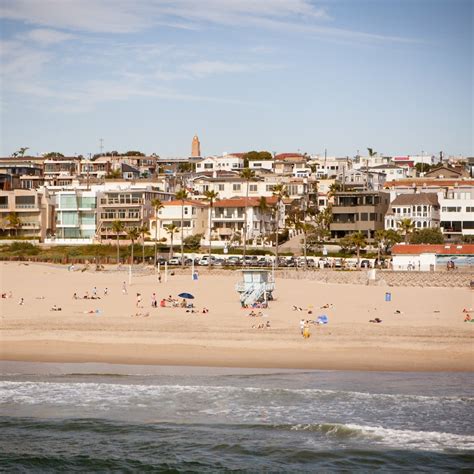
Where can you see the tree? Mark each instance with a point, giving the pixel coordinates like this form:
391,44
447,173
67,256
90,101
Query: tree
248,175
20,152
52,155
114,174
133,234
144,231
182,195
427,236
263,209
210,197
117,228
157,205
358,241
193,242
171,229
258,155
185,168
406,227
14,222
279,191
333,189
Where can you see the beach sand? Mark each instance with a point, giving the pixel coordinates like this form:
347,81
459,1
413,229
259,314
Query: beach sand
428,335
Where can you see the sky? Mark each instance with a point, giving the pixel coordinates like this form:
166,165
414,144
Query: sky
276,75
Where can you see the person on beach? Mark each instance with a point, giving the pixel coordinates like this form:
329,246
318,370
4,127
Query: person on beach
94,292
302,325
139,300
106,291
159,278
154,303
124,288
74,296
21,302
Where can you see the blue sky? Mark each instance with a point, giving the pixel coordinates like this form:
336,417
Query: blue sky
280,75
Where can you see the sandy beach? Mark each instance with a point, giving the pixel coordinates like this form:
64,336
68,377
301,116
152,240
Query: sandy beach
428,333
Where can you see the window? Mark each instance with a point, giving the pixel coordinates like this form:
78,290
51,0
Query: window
452,209
186,210
220,187
364,216
269,187
373,216
257,165
208,166
253,188
236,187
25,201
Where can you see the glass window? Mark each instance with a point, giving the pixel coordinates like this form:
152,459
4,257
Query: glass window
236,187
69,218
253,188
67,201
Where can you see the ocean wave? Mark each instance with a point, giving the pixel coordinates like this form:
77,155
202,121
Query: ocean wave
9,388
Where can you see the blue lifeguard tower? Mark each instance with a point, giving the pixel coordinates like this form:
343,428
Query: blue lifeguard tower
257,287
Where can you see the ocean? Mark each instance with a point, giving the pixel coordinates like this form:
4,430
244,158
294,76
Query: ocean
98,417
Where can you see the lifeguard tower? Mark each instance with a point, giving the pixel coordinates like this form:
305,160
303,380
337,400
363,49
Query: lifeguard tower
257,287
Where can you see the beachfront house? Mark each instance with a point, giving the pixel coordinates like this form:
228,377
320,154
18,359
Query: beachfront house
356,211
26,213
421,208
195,220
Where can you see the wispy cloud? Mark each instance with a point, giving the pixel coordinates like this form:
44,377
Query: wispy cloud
124,16
47,36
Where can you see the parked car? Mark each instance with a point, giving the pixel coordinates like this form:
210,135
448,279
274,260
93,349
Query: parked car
233,260
174,261
365,264
161,260
205,260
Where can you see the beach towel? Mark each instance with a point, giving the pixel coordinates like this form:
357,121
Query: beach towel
323,319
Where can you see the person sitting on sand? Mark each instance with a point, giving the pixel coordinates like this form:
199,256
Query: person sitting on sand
376,320
205,310
163,303
468,318
86,295
55,308
21,302
252,314
267,324
184,304
74,296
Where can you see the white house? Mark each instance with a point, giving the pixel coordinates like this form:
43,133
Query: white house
220,163
457,211
391,172
195,220
421,208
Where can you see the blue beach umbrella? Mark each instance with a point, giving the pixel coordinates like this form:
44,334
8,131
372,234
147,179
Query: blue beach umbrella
187,296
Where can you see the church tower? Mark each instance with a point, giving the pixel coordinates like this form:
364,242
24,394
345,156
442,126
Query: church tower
196,147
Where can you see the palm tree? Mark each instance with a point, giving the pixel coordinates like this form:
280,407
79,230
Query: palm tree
14,222
171,229
279,191
406,227
380,238
157,205
144,231
210,196
117,228
263,209
248,175
182,195
359,242
133,234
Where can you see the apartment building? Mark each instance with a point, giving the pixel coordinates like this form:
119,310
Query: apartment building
391,172
228,219
421,208
75,217
131,205
26,213
362,179
358,211
457,212
195,220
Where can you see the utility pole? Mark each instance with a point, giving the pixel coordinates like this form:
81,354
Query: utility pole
325,159
101,141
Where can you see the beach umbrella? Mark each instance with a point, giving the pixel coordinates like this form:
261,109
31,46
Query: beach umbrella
186,296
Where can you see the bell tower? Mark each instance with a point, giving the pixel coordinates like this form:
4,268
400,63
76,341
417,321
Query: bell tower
196,147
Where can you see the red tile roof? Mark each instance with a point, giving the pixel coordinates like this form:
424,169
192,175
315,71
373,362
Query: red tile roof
442,249
240,202
187,202
429,182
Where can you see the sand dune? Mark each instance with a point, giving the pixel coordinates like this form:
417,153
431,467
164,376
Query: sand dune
429,334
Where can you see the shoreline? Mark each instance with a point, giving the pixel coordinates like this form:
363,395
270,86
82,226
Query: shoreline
343,359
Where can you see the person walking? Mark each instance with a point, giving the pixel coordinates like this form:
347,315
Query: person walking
124,288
